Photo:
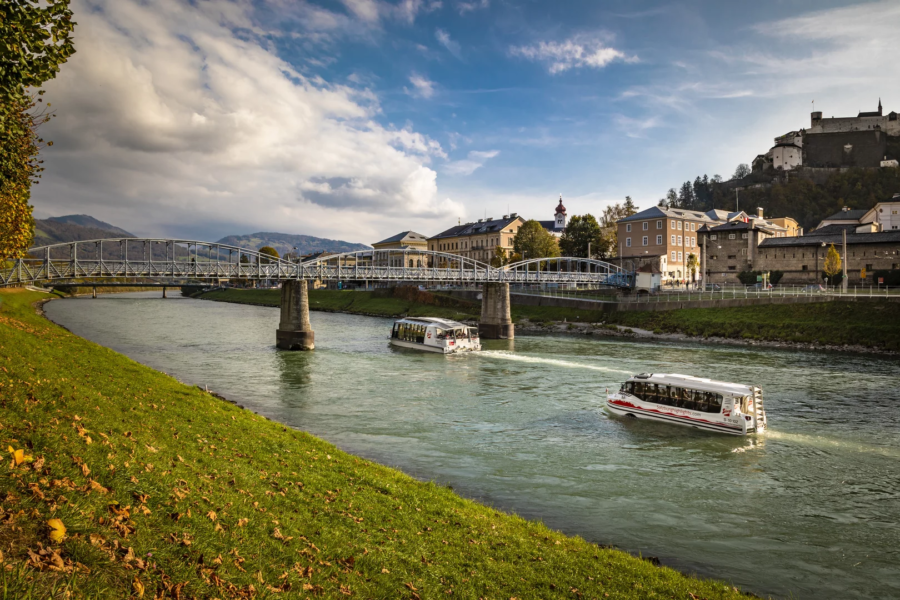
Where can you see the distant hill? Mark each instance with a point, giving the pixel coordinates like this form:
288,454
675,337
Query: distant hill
285,243
91,223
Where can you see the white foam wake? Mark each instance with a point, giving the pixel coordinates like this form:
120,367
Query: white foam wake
548,361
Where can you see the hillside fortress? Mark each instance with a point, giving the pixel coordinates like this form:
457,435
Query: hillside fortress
868,140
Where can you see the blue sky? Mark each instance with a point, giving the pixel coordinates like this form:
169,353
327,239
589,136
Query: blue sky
357,119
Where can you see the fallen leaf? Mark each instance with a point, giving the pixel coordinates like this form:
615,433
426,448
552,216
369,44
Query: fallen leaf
138,587
242,522
57,530
211,515
383,570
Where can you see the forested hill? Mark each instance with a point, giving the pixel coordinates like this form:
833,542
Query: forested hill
799,198
286,242
56,230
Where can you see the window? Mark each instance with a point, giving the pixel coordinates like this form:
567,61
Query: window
732,256
673,224
713,236
713,257
743,251
679,225
732,268
804,268
646,225
628,242
644,240
628,227
659,240
743,236
679,240
673,256
868,267
680,258
730,236
693,227
659,223
673,240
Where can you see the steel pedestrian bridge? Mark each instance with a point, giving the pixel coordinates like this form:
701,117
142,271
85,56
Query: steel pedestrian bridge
175,262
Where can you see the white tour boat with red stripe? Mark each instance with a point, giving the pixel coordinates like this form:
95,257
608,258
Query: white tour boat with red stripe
706,404
435,335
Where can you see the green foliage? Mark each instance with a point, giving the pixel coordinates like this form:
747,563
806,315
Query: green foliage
748,277
832,264
19,166
610,230
580,232
500,257
775,277
37,39
268,251
693,263
741,171
533,241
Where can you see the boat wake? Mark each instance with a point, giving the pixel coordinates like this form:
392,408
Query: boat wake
826,443
547,361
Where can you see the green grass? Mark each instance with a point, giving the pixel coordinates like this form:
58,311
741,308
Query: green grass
872,324
167,489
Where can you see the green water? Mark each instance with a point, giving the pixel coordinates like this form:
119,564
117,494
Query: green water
809,510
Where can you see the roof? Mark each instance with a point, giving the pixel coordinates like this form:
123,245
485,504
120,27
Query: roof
834,229
848,215
697,383
478,228
786,145
551,226
741,226
718,214
656,212
432,321
405,236
879,237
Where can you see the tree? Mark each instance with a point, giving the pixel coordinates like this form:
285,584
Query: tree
692,265
609,224
672,198
500,258
533,241
741,171
268,251
37,38
832,265
580,232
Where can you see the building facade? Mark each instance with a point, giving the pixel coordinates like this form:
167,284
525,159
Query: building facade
479,240
406,240
731,248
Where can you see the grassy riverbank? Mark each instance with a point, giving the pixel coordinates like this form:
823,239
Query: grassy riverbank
166,491
870,324
373,303
873,324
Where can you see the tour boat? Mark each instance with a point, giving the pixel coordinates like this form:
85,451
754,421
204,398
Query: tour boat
435,335
706,404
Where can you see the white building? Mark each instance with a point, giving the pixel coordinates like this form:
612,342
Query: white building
786,156
558,224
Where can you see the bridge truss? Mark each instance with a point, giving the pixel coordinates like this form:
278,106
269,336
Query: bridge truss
188,261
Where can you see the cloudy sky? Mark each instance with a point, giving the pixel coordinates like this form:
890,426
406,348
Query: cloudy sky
356,119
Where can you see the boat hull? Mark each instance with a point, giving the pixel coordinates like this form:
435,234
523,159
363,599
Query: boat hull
632,407
434,349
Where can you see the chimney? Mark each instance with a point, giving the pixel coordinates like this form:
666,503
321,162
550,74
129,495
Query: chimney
759,212
845,208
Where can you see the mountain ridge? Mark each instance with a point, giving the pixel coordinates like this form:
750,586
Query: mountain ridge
286,242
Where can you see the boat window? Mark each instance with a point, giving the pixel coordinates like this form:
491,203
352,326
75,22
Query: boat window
628,387
639,389
714,403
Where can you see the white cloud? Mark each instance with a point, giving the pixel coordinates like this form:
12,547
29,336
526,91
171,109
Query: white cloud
474,161
464,7
576,52
637,128
168,121
422,86
452,47
372,11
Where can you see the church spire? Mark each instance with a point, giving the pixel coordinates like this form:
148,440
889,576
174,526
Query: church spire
879,107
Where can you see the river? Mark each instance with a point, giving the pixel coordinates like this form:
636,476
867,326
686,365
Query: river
811,509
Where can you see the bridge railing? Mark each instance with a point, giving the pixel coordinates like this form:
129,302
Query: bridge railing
190,260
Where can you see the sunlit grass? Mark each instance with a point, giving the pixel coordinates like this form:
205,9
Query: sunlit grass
166,491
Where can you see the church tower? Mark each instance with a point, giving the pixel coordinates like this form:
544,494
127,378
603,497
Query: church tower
560,215
879,108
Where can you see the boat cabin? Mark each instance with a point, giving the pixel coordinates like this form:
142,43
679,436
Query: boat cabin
435,335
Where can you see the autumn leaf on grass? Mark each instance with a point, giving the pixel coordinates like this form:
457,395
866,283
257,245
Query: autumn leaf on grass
211,515
242,522
138,587
57,530
19,456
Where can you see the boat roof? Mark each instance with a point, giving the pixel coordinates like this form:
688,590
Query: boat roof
432,321
701,383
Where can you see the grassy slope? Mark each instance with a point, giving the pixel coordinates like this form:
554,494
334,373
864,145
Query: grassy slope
366,303
166,489
872,324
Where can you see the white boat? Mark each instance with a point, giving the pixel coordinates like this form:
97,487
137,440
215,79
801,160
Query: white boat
706,404
435,335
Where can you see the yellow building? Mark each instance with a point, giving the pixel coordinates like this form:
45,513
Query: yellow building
791,226
479,240
405,240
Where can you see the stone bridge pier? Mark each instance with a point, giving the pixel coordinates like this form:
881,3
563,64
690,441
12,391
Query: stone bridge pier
496,322
294,331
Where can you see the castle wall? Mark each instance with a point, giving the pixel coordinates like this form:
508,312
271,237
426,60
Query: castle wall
829,150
